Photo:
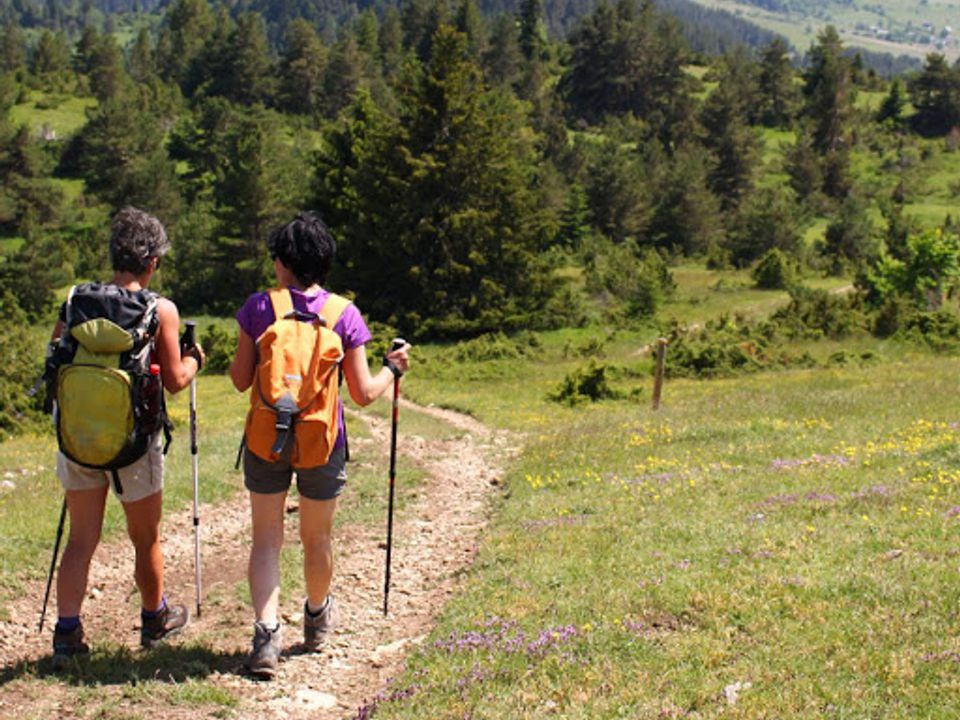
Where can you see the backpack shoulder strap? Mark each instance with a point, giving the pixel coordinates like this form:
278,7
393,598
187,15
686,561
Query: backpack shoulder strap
282,302
333,309
68,310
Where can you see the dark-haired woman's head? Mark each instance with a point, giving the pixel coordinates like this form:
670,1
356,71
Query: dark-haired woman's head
306,247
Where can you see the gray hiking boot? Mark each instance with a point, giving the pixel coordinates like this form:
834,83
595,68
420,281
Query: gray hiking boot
68,645
316,627
169,621
265,656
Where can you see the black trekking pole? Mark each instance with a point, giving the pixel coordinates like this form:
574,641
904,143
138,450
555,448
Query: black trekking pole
53,563
397,344
187,342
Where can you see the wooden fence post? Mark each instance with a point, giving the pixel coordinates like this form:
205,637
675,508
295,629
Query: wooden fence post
658,377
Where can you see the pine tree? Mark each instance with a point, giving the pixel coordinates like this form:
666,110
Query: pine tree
442,197
630,59
734,144
187,28
122,155
891,109
503,61
51,61
470,21
778,94
301,69
343,76
828,92
533,34
935,93
141,64
245,69
13,48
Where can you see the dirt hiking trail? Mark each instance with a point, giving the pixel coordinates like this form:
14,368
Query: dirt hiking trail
436,537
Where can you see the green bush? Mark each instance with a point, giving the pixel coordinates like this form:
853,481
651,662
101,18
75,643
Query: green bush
21,362
496,346
585,384
726,347
775,271
218,346
814,314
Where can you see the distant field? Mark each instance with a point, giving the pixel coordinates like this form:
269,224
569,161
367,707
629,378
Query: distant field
64,115
861,25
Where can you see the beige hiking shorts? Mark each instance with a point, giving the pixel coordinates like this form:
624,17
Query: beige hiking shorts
137,480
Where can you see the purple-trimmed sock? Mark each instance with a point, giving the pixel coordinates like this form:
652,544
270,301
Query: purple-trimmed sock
148,615
67,624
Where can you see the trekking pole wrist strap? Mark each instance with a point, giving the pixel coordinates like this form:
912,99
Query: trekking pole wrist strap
397,372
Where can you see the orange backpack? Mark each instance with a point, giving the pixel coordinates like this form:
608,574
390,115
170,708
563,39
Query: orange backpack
296,383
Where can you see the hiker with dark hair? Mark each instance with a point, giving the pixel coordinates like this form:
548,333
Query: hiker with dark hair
117,335
295,424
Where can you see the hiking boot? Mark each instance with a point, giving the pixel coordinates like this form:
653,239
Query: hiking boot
169,621
265,656
67,645
316,627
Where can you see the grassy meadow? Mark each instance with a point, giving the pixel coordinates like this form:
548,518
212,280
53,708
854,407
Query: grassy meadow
783,544
779,545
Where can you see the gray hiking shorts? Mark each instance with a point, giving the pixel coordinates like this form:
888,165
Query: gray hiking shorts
318,483
138,480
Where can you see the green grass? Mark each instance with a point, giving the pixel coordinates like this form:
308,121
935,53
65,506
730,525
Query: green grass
758,530
787,537
62,114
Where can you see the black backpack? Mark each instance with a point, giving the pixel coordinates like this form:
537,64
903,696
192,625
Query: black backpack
106,399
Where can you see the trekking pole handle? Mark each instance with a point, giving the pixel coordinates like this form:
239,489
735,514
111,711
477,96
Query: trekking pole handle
189,338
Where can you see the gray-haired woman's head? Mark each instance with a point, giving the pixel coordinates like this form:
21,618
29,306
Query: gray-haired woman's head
135,237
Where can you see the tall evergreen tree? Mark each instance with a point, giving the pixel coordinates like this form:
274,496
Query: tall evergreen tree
828,92
343,76
533,34
122,155
301,69
442,196
778,96
734,144
51,60
13,48
470,21
141,64
187,27
503,60
935,93
630,59
245,71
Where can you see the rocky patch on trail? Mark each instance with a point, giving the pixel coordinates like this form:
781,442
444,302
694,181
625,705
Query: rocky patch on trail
437,537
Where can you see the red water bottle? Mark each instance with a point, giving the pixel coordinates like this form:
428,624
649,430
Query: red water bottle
154,398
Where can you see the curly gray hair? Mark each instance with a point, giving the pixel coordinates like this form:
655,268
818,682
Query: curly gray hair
135,237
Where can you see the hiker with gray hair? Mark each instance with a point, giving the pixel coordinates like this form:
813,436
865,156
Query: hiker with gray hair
117,332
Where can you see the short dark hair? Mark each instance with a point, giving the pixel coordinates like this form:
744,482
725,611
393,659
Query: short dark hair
135,237
306,246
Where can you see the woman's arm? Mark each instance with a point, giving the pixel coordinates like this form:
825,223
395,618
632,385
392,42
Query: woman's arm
244,362
365,387
177,371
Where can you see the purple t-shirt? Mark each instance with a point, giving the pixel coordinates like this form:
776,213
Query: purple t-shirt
256,315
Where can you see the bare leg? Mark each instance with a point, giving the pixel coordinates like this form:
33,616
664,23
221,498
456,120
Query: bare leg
143,527
86,520
264,569
316,528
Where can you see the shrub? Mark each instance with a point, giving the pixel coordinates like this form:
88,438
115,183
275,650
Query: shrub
774,271
813,314
218,346
20,366
585,384
496,346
